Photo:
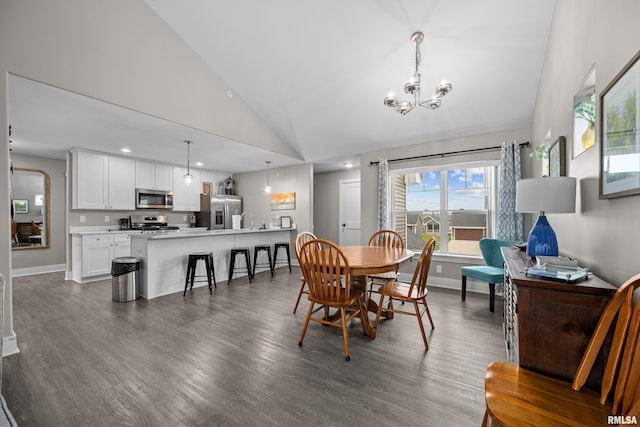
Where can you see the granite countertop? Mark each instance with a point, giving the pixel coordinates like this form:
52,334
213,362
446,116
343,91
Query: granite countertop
89,230
190,232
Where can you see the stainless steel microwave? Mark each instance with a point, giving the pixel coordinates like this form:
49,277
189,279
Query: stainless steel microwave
153,199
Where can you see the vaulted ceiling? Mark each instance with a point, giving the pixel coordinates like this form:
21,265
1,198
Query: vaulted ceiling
317,73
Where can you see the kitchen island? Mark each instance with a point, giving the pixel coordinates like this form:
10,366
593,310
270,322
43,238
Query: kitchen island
164,255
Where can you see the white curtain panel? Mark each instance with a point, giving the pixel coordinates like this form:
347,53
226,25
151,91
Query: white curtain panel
509,224
383,194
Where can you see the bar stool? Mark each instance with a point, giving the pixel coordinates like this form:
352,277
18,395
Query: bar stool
232,263
207,257
277,246
256,250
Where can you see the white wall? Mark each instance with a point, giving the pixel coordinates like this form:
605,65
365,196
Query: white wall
601,234
298,179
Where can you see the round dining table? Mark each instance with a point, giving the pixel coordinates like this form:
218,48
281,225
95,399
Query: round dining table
367,260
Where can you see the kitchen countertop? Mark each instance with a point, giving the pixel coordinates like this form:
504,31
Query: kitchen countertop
190,232
89,230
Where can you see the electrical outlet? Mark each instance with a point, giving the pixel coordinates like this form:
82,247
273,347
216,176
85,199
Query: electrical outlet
83,218
106,218
438,268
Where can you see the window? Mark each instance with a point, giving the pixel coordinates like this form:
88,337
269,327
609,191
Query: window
453,203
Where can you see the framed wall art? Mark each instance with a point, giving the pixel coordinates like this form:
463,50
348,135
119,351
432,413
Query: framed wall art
283,201
619,136
286,222
584,115
20,206
557,157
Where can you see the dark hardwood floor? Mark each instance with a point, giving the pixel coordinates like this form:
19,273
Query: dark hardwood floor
232,359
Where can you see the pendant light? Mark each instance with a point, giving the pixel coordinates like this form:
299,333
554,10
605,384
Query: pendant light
188,178
267,188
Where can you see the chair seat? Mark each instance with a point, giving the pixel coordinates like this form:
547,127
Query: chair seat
389,275
513,395
486,273
343,301
401,290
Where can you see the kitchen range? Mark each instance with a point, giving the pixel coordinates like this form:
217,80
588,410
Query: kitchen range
151,224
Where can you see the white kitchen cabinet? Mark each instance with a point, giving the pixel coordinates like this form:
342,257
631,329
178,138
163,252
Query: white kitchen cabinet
122,187
103,182
121,245
92,254
91,182
186,197
154,176
97,253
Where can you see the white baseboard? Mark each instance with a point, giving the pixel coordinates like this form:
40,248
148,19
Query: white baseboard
30,271
10,345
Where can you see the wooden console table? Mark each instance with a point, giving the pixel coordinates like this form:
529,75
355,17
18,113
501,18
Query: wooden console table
548,323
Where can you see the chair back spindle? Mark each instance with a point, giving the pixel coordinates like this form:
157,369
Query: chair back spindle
324,267
387,238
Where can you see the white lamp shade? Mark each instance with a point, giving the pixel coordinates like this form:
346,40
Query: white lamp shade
556,194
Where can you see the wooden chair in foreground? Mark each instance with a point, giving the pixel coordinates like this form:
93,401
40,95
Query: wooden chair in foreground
387,239
326,271
301,239
516,396
415,292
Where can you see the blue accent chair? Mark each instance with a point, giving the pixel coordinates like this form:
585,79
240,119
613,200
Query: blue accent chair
491,273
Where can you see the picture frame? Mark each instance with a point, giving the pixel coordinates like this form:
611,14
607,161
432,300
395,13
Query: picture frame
557,157
584,115
283,201
286,222
20,206
619,134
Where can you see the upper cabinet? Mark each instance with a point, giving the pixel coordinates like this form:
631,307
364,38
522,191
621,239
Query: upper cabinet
102,182
153,176
186,197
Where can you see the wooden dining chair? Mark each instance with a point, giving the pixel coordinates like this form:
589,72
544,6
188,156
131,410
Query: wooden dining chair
302,238
516,396
414,292
326,271
388,239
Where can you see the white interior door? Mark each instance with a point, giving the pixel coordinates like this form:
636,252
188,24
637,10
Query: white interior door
349,215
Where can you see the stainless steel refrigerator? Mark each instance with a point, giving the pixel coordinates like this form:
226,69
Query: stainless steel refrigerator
216,211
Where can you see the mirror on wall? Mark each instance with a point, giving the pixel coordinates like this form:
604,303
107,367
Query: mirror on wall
29,209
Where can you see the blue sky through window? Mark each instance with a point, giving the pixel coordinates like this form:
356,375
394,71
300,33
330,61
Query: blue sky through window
465,190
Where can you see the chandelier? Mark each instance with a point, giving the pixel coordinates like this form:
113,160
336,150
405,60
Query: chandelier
412,87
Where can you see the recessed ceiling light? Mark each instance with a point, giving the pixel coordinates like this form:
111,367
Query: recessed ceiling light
125,150
348,165
198,163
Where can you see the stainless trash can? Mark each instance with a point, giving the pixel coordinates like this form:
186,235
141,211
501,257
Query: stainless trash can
126,279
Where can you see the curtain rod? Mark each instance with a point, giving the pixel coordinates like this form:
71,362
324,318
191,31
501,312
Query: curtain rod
450,153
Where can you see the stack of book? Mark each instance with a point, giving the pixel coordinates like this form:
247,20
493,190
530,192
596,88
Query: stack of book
557,267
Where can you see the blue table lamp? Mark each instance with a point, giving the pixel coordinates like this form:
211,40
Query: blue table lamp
545,195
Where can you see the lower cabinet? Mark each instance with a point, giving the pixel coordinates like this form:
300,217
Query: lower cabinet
97,252
121,245
92,254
